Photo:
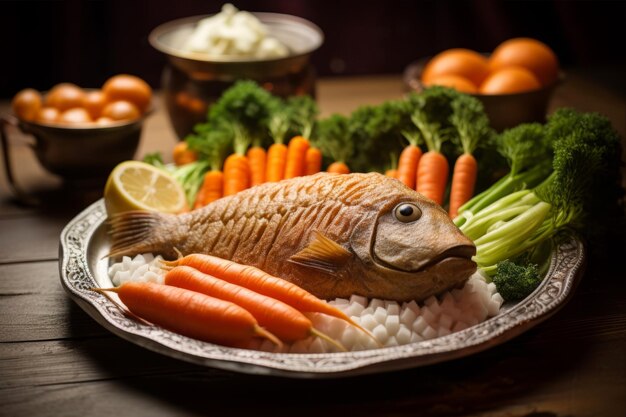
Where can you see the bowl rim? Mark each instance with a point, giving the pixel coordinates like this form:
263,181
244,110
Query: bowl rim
264,17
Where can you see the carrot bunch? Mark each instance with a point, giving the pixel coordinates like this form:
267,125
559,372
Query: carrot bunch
259,281
221,301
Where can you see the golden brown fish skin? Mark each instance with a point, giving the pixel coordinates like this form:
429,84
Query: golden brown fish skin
266,225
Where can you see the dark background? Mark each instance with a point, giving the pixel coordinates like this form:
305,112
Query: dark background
85,42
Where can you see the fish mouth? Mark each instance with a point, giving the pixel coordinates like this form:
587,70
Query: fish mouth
459,253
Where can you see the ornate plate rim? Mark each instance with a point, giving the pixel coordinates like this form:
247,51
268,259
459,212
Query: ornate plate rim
77,276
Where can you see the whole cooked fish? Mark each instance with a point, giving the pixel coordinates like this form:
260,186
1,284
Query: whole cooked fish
333,235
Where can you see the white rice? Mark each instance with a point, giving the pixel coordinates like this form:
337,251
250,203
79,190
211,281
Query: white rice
391,322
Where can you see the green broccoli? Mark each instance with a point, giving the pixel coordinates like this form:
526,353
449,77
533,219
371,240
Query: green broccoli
521,220
516,281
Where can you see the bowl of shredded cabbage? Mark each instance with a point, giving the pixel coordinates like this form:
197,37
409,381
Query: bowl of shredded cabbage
207,54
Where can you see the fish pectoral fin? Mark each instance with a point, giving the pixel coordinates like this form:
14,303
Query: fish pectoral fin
322,253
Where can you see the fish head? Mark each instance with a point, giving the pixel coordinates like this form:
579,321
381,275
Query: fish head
411,249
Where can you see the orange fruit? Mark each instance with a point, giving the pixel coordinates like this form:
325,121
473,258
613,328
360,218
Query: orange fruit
510,80
462,62
26,104
65,96
529,53
76,115
48,115
454,81
129,88
94,102
121,110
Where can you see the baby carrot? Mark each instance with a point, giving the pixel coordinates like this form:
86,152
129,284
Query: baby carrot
280,319
296,157
432,176
183,155
190,313
407,165
211,190
392,173
338,167
276,161
257,158
463,182
313,161
263,283
470,134
236,174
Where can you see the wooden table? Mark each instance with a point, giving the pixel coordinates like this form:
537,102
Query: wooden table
56,361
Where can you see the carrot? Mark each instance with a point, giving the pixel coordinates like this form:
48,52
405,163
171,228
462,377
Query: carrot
407,165
392,173
211,190
463,182
257,157
472,126
183,155
296,157
432,169
190,313
432,176
338,167
280,319
276,161
313,161
263,283
236,174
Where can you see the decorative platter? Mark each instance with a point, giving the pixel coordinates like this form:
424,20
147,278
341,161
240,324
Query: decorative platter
84,243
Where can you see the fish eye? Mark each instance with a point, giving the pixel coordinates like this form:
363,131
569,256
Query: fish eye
407,212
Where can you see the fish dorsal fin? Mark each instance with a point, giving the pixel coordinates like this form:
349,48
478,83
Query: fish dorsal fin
322,253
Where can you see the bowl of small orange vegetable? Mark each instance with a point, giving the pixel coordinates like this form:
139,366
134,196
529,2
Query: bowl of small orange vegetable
515,82
82,133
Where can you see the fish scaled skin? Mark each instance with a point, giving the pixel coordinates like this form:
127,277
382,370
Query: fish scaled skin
333,235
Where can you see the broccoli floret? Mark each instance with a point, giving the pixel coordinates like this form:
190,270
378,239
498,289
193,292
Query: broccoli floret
516,281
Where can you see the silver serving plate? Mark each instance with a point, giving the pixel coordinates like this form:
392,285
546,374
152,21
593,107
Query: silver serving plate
84,243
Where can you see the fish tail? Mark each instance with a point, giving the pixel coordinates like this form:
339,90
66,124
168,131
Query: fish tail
135,232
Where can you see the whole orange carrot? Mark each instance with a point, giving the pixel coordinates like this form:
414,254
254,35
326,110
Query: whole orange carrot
463,182
236,174
407,165
190,313
282,320
472,125
276,161
432,176
296,157
257,158
211,190
313,161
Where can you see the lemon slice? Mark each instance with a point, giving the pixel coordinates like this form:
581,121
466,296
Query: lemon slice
134,185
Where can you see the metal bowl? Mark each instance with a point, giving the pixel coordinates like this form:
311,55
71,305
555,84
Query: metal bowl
78,154
504,110
192,81
83,264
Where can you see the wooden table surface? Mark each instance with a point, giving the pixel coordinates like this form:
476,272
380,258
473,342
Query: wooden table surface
57,361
